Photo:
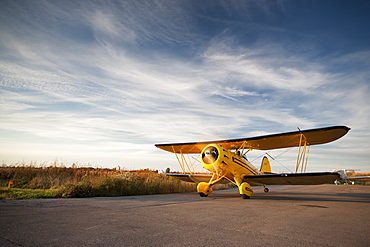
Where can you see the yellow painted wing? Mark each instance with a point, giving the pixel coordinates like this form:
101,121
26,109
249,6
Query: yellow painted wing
267,142
293,178
312,178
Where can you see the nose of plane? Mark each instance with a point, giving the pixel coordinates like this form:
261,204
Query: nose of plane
210,155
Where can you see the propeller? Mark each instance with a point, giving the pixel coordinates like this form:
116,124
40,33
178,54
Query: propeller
210,155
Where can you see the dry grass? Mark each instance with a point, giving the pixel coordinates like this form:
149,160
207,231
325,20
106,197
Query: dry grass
87,182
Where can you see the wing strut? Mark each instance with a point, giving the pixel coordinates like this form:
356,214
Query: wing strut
303,152
184,164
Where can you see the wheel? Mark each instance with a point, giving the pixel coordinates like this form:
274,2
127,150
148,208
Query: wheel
202,194
245,196
266,190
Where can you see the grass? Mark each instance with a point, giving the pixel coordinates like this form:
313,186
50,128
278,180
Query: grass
30,181
15,193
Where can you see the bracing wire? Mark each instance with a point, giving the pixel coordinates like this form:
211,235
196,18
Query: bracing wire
274,159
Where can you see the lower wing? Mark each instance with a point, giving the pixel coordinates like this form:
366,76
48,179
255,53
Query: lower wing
293,178
312,178
269,179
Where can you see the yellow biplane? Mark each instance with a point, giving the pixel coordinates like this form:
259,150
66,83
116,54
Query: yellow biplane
227,162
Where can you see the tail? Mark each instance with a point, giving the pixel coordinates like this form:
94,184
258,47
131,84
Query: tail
265,165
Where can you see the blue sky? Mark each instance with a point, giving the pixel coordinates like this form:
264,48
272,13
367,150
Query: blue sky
100,82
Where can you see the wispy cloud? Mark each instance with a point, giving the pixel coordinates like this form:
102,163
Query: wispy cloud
109,80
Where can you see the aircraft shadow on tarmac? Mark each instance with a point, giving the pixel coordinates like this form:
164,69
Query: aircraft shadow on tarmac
286,195
278,193
336,197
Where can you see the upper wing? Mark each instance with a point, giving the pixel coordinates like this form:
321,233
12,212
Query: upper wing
293,178
267,142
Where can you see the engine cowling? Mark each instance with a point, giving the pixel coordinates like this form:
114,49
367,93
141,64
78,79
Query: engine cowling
215,158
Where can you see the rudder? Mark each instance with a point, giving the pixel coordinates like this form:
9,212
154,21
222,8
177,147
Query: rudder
265,165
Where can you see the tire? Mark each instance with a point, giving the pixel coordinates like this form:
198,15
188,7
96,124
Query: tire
245,197
202,194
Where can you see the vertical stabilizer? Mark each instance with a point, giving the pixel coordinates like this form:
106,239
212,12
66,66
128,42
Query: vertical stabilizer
265,165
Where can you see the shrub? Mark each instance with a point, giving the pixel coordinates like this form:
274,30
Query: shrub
76,190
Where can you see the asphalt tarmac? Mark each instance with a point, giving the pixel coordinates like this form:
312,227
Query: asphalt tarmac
323,215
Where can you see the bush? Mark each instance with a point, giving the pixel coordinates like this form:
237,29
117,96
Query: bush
75,190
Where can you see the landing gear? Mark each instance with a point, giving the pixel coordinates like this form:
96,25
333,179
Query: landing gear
245,190
266,190
204,189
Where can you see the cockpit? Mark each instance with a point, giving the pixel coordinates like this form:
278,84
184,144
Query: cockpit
239,154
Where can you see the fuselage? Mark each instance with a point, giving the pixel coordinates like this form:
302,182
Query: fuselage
225,163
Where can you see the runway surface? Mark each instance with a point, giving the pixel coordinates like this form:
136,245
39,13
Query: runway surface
323,215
